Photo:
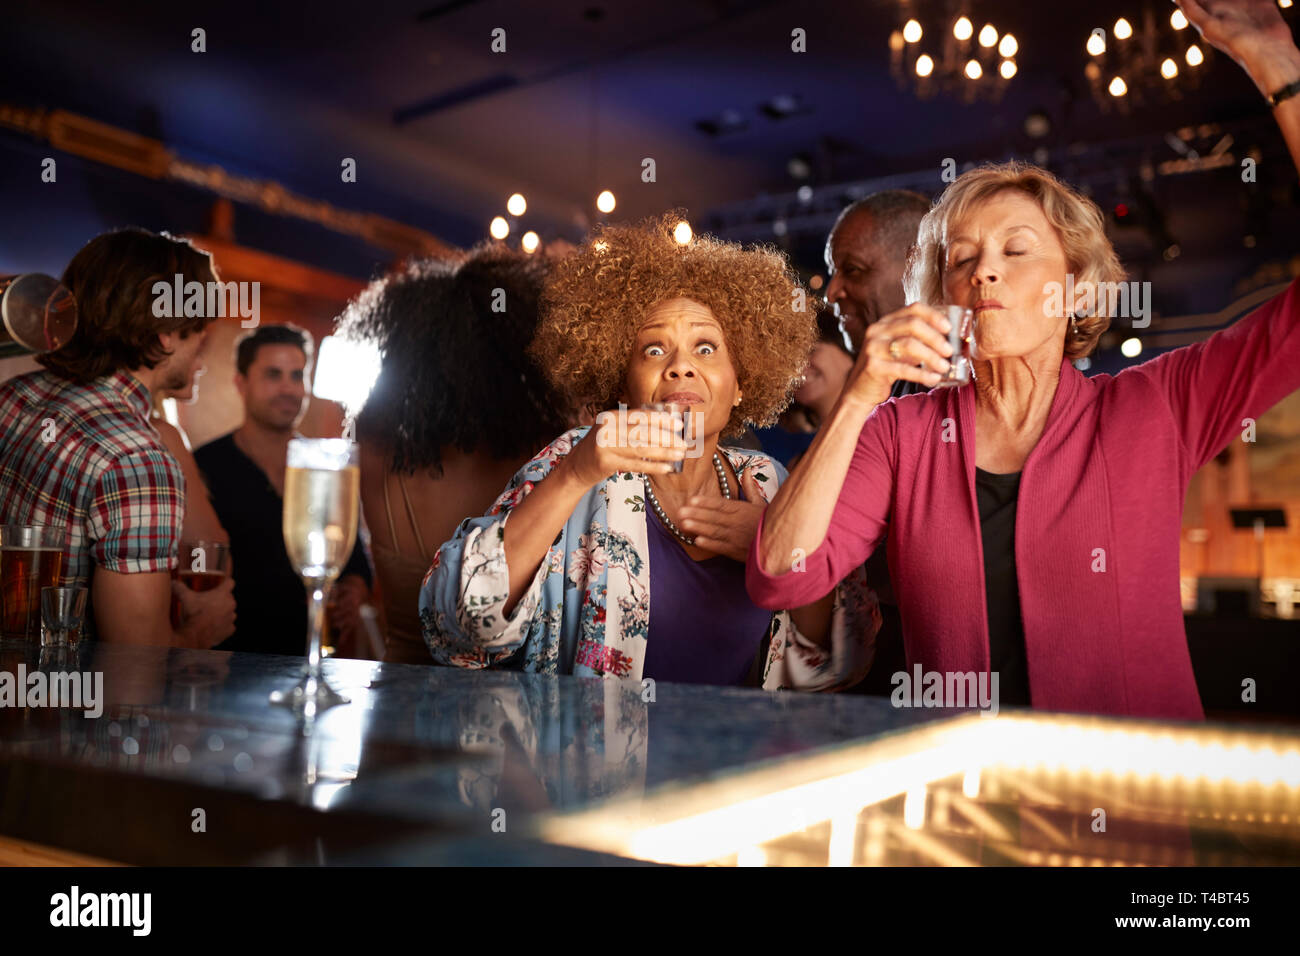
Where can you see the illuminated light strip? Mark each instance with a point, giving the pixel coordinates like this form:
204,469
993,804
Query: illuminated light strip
843,842
750,807
764,800
707,836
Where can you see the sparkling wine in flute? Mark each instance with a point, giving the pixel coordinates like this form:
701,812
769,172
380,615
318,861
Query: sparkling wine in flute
322,486
320,519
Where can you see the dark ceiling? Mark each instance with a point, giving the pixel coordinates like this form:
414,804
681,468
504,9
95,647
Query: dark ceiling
443,129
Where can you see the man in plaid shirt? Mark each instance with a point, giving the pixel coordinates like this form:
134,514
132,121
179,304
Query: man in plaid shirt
77,450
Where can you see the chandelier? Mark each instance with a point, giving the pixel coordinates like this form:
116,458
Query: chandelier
955,53
1159,60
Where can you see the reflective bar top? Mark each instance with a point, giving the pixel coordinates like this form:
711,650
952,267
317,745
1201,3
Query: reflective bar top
439,752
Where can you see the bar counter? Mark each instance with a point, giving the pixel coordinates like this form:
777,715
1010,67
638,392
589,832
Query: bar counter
447,756
188,763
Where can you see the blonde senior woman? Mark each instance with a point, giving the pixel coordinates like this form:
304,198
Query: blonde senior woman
599,559
1032,516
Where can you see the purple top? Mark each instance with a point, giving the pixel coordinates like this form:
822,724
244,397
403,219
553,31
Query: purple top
684,644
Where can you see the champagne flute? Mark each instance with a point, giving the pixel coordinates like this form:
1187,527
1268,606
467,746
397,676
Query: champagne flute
321,502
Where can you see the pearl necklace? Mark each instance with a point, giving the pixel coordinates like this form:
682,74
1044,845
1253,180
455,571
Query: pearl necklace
667,521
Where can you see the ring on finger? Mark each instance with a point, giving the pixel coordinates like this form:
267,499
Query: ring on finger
895,351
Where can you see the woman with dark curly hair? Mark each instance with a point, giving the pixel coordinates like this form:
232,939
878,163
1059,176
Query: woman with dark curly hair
458,406
599,530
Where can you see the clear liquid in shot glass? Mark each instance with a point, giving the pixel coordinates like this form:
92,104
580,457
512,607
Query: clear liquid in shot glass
681,413
961,336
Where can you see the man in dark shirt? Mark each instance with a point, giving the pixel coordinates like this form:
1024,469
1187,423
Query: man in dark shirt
245,473
866,253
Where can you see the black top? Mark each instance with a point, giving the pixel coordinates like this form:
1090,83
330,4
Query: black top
905,387
270,599
996,496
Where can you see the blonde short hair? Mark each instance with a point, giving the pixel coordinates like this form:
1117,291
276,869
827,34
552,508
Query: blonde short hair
1077,220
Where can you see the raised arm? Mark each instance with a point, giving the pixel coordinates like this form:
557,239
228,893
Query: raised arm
826,519
1212,387
1254,34
908,344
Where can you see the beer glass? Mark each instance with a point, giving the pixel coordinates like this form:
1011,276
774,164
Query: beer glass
961,336
31,558
321,502
202,566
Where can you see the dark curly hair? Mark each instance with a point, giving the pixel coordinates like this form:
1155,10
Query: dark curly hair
112,279
597,299
452,336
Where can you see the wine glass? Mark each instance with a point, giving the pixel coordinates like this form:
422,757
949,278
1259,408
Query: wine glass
321,501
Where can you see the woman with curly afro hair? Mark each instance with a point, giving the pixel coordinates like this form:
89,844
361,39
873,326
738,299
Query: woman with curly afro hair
638,513
458,406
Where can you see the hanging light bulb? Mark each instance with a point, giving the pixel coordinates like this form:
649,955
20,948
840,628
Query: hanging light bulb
529,241
973,69
924,65
683,232
1008,69
1118,87
1097,43
1008,46
1194,55
1178,20
911,31
516,205
988,36
499,227
605,201
962,29
1123,29
1169,69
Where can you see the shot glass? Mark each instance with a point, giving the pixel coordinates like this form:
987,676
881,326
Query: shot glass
681,413
961,336
63,611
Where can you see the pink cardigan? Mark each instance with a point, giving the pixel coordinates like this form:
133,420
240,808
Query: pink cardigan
1106,481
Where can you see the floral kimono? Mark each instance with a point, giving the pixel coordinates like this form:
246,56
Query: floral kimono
587,610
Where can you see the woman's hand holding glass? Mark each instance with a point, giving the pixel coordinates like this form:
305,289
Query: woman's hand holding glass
910,344
628,440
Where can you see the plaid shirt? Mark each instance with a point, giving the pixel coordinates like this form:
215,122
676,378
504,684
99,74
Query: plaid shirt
86,458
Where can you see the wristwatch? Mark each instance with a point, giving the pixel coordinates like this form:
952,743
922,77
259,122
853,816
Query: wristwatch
1288,91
